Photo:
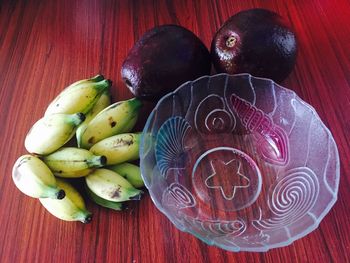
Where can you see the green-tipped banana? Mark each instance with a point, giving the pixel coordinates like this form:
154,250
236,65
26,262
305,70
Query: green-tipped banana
79,97
34,178
131,124
71,207
103,102
73,162
118,118
51,132
118,206
118,148
130,172
111,186
96,78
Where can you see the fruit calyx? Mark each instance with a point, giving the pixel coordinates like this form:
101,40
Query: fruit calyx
231,41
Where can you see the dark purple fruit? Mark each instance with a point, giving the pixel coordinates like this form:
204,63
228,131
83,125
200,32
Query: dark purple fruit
164,58
255,41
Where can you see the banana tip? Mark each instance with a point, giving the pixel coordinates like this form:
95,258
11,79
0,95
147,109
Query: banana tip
103,160
136,197
60,194
100,76
87,219
124,206
81,116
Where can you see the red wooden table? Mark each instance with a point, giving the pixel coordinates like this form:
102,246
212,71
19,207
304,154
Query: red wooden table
45,45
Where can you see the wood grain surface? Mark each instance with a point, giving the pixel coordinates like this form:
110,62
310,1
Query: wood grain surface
46,45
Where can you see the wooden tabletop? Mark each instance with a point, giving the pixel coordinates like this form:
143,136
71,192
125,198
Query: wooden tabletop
46,45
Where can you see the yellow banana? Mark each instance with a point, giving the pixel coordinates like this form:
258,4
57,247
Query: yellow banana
103,102
119,117
34,178
79,97
96,78
131,124
111,186
71,207
51,132
74,174
73,162
118,206
118,148
130,172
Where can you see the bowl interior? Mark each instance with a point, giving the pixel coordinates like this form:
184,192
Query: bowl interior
239,162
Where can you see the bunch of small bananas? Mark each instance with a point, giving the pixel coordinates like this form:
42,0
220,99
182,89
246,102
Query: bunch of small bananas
105,146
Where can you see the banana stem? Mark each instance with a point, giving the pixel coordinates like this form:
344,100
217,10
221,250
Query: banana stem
87,218
77,118
103,84
60,194
137,196
55,193
97,161
97,78
135,103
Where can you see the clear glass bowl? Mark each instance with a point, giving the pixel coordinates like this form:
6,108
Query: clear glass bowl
239,162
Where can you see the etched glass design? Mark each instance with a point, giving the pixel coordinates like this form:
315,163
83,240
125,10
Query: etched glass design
240,162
